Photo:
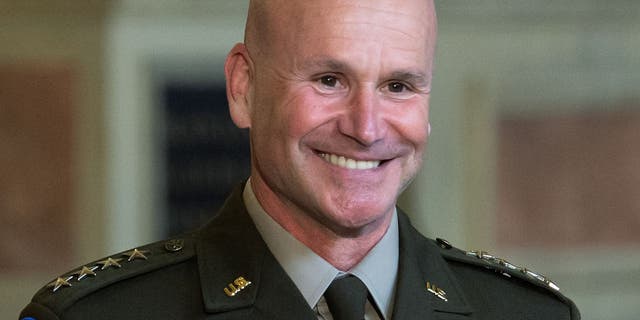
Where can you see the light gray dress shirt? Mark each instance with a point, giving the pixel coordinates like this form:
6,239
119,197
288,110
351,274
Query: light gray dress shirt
313,275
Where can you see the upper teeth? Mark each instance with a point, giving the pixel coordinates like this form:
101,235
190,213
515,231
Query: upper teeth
350,163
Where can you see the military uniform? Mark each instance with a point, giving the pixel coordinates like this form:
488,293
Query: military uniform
225,271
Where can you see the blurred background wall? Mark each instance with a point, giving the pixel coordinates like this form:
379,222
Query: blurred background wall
533,155
52,142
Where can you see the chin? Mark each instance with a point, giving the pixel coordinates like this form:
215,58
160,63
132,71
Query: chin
354,222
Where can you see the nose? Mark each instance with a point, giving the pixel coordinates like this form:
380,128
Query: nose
364,120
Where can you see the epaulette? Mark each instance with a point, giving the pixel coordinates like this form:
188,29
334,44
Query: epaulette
498,265
68,288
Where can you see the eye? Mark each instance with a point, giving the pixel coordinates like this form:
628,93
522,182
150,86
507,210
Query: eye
398,90
396,87
329,81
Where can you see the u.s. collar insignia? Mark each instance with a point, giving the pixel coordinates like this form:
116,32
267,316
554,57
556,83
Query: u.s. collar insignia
238,284
437,291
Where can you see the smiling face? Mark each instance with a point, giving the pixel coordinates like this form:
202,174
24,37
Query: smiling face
336,96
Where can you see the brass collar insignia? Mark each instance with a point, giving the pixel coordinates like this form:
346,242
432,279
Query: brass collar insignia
238,284
437,291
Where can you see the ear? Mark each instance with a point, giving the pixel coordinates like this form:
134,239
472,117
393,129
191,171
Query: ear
238,71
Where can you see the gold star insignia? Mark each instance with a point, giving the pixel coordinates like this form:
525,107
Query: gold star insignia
84,272
109,262
135,254
59,283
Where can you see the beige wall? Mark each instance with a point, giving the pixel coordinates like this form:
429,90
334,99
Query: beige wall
63,33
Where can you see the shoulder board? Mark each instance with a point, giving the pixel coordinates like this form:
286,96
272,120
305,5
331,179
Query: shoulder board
499,265
68,288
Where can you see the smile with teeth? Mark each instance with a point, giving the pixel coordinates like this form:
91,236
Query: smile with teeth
343,162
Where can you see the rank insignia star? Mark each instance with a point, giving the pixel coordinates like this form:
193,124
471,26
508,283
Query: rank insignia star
59,283
109,262
84,272
135,254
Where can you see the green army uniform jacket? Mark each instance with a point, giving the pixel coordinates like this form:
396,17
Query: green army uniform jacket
225,271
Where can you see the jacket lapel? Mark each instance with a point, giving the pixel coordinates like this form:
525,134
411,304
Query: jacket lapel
238,273
421,262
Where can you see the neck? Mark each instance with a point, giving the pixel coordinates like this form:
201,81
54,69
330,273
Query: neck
342,247
342,252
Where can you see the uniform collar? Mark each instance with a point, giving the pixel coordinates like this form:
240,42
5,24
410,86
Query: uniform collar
421,261
313,275
230,247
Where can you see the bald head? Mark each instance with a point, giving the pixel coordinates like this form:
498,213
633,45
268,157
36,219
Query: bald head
272,22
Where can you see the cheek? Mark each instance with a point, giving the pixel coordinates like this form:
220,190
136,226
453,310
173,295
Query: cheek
304,112
412,124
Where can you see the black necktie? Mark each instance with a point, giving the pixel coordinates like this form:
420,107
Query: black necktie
346,298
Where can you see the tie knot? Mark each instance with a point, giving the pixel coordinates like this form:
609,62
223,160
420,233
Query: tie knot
346,298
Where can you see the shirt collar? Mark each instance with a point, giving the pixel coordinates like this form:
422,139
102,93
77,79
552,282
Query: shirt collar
313,275
379,269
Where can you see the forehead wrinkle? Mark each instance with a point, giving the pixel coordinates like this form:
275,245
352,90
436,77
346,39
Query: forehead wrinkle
395,11
425,15
416,35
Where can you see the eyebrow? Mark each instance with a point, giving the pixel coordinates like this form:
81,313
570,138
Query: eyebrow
323,62
418,78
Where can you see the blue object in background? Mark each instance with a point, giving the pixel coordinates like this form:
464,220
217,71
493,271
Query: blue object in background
206,155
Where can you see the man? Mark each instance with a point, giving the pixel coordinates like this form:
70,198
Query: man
335,94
